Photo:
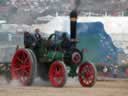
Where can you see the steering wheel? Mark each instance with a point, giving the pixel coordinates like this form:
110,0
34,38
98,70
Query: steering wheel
53,42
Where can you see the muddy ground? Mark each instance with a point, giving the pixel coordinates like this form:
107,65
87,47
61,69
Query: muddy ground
72,88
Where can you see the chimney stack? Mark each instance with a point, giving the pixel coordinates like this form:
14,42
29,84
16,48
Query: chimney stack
73,25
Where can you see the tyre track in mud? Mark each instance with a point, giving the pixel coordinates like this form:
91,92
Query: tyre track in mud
72,88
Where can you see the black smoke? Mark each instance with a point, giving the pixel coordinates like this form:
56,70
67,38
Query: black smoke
75,4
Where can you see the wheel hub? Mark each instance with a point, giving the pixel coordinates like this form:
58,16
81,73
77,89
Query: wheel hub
76,58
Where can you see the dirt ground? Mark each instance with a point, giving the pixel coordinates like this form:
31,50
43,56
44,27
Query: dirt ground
101,88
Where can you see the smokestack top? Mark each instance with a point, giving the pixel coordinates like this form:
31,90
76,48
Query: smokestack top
73,15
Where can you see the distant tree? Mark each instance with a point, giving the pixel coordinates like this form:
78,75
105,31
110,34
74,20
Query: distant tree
126,12
3,2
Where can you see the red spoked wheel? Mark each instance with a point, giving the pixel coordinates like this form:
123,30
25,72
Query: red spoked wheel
57,74
87,74
22,66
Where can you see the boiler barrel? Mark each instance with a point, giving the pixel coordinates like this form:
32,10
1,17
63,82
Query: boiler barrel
55,55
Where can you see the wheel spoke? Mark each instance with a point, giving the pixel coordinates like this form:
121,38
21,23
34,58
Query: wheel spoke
23,79
58,80
24,55
17,69
26,66
26,59
87,81
91,77
26,73
59,74
19,59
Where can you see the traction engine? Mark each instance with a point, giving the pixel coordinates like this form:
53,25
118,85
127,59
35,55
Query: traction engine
53,63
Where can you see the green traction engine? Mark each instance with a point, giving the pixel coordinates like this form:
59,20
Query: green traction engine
53,62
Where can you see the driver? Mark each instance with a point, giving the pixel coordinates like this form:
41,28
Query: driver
37,34
29,40
65,43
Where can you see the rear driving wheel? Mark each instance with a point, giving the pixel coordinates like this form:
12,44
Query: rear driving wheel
22,67
87,74
57,74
